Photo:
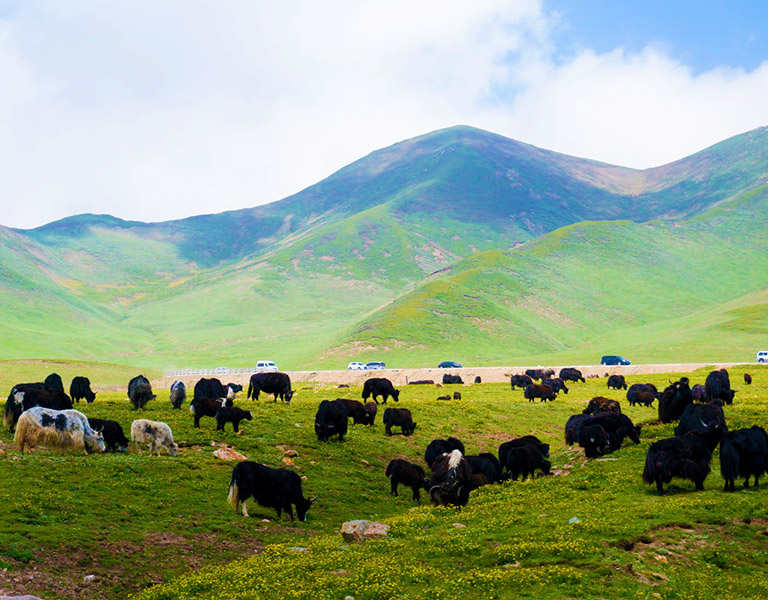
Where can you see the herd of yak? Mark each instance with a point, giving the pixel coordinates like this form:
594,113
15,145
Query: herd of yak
43,414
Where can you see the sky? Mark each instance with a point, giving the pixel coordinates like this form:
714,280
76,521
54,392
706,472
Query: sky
162,109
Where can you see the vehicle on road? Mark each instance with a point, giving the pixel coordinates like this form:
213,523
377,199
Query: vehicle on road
264,366
449,364
355,366
613,360
375,365
762,356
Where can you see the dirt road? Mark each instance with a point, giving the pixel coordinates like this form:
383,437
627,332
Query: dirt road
403,376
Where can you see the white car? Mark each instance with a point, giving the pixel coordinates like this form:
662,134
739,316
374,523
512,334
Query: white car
264,366
762,356
356,366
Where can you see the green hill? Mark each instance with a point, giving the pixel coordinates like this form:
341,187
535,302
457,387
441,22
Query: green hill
458,243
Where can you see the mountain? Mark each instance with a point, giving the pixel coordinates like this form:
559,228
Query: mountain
459,241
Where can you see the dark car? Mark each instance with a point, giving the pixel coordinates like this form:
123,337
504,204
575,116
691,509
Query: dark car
613,359
449,364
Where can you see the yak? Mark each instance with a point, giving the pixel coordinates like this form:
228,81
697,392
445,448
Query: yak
112,432
542,391
278,384
451,480
743,453
273,488
231,414
155,434
207,407
594,440
600,404
617,382
718,387
685,457
140,392
706,418
81,388
60,429
438,447
521,381
673,400
411,475
556,384
178,394
379,386
360,413
331,419
486,464
451,379
398,417
525,461
571,374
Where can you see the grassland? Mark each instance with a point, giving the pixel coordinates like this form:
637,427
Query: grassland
135,521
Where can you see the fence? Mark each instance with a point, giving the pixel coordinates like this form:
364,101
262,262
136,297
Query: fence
216,371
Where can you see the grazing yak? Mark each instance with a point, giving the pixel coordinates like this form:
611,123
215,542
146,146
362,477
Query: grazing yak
140,392
278,384
451,379
571,374
178,394
478,379
437,448
743,453
556,384
379,386
398,417
673,400
422,382
521,381
685,457
112,432
273,488
616,426
536,390
600,404
525,461
25,396
231,414
207,407
451,480
213,388
81,388
360,413
521,442
706,418
487,465
56,429
155,434
539,374
617,382
594,440
573,427
371,408
699,393
54,383
411,475
642,393
331,419
718,387
747,379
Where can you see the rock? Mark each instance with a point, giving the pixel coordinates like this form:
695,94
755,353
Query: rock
361,530
303,477
228,454
574,521
290,453
459,525
89,578
365,462
25,597
288,461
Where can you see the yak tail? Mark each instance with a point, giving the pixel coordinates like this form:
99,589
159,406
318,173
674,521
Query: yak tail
234,494
729,460
250,390
8,416
192,407
653,467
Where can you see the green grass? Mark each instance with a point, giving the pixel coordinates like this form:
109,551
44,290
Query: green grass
134,521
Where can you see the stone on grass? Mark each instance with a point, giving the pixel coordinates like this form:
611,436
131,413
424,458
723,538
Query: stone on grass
361,530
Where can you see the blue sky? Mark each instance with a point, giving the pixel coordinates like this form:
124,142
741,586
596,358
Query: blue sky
154,110
703,34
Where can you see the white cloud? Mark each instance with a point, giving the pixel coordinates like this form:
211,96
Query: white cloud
158,110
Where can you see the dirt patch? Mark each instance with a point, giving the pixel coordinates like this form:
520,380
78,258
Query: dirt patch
119,568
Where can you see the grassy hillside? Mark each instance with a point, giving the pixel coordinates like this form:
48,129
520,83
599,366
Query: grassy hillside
622,284
458,243
68,516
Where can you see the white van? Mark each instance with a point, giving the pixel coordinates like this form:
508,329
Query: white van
265,365
762,356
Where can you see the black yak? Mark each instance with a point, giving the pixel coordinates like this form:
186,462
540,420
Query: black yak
706,418
81,388
451,480
673,400
452,379
360,413
521,442
231,414
486,464
207,407
140,392
525,461
436,448
178,394
112,432
685,457
617,382
642,393
274,488
743,453
747,379
573,428
521,381
594,440
600,404
556,384
539,374
536,390
275,383
380,386
571,374
398,417
331,419
718,387
411,475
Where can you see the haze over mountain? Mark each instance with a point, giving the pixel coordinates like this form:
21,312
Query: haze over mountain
458,242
